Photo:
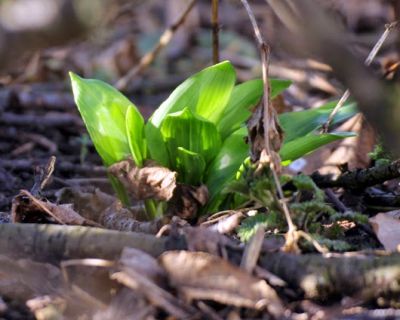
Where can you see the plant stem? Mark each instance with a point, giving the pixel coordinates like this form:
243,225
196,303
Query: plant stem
151,209
215,30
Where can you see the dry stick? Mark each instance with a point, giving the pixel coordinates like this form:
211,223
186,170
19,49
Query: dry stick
368,61
264,48
149,57
215,30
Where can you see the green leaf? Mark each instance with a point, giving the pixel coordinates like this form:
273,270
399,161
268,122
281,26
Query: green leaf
249,226
301,123
190,167
301,146
103,110
135,133
278,86
243,97
215,91
205,93
184,129
233,152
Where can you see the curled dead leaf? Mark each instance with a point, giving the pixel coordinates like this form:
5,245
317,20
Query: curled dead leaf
27,208
187,201
387,229
201,276
150,182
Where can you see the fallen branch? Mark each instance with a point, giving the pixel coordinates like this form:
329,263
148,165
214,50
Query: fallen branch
321,278
360,178
53,243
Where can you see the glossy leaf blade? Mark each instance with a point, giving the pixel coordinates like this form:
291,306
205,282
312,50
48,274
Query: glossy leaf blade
190,167
278,86
301,123
233,152
103,110
194,94
244,96
301,146
135,134
184,129
215,91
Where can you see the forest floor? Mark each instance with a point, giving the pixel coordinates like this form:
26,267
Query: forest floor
198,270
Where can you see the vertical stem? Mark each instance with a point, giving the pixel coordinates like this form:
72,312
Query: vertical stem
151,209
215,30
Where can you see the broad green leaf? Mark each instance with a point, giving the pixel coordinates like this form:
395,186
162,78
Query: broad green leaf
135,133
233,152
103,110
215,91
205,93
278,86
184,129
301,123
245,96
190,167
301,146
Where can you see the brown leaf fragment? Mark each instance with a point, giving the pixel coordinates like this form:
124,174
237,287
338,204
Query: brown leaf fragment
201,276
150,182
144,264
27,208
126,305
141,284
257,134
89,203
206,240
187,201
117,217
387,229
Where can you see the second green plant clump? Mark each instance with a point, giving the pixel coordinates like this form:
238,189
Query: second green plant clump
199,130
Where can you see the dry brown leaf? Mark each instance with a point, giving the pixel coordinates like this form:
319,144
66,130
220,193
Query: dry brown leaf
201,276
109,212
150,182
187,201
206,240
27,208
256,133
387,229
144,264
89,203
117,217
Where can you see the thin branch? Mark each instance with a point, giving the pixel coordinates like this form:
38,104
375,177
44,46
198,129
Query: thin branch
149,57
268,113
215,30
371,56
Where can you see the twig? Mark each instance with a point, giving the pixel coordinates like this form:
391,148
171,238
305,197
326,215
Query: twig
267,118
368,61
215,30
149,57
360,179
253,250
